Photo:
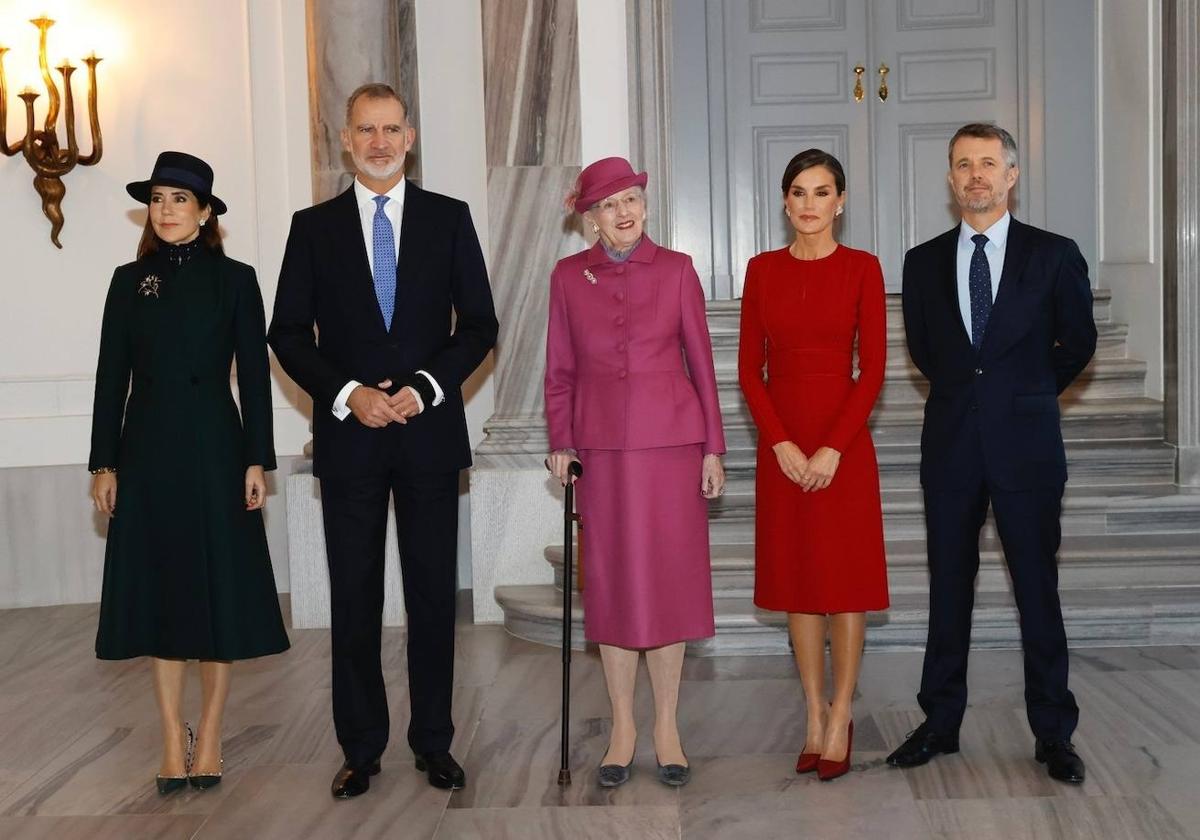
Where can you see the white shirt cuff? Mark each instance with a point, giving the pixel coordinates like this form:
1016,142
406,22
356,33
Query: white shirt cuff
417,397
438,396
340,410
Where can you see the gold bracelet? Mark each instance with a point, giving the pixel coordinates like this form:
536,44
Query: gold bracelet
103,470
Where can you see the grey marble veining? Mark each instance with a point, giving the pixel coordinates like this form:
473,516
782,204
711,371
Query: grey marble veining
531,82
141,826
644,823
530,232
1051,819
351,42
80,745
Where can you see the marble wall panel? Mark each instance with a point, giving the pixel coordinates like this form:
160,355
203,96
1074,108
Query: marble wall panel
531,82
531,105
530,233
52,540
351,42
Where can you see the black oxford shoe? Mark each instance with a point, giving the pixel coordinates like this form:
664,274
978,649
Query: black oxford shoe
443,771
921,745
1061,760
351,782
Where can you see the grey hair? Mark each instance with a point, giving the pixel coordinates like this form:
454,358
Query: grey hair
374,90
986,131
641,191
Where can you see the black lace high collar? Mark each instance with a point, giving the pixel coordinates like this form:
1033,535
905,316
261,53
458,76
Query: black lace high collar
177,255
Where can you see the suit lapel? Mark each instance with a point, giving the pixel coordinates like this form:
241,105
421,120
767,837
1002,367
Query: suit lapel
351,245
350,231
948,268
408,260
1004,319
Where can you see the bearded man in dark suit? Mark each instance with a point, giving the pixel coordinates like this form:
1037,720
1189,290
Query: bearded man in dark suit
393,280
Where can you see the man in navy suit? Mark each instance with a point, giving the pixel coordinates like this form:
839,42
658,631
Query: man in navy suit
998,317
392,277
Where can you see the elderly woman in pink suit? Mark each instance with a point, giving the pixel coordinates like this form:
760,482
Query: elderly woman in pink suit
632,394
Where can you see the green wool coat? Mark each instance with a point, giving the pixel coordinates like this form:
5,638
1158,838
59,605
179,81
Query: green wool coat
187,573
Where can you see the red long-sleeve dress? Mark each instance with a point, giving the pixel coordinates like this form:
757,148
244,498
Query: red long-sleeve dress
818,552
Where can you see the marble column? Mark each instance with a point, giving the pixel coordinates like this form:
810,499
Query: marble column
531,99
649,24
351,42
1182,222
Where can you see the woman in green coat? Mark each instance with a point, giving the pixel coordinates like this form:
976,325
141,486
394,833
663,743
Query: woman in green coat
187,574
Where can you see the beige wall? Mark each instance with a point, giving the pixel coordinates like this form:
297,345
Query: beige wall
230,87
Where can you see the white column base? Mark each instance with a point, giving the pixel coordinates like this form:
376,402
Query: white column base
515,514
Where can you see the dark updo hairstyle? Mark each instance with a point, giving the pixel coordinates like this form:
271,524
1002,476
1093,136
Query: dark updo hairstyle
807,160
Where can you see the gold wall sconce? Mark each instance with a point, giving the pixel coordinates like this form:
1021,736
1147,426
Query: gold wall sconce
50,162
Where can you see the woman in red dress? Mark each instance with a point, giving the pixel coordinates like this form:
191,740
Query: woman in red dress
819,524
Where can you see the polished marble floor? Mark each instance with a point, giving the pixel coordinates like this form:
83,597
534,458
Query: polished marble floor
78,750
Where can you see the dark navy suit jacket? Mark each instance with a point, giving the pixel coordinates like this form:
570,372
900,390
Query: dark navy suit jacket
993,413
444,323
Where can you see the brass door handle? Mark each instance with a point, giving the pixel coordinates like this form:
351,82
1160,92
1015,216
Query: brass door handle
883,88
858,85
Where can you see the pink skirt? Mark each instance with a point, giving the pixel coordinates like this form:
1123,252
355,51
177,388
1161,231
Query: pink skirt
647,575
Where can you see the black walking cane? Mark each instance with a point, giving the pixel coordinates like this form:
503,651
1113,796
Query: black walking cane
576,470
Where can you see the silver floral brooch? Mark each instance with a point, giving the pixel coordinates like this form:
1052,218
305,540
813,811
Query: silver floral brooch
149,286
591,278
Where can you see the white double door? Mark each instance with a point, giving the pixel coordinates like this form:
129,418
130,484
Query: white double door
880,84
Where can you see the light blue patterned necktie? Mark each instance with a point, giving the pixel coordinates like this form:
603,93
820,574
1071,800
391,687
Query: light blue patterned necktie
979,282
383,251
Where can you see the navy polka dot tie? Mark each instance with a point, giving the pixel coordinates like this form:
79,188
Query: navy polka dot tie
979,281
383,253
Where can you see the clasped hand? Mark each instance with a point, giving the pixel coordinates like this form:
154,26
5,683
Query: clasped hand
811,474
374,408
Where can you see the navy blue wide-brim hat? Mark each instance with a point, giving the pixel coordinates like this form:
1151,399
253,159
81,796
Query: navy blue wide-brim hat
179,169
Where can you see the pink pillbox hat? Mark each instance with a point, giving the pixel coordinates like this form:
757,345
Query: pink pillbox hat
603,178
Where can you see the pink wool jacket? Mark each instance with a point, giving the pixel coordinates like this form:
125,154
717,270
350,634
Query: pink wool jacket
629,361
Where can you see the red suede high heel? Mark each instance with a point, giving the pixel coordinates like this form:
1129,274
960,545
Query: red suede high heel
829,770
807,762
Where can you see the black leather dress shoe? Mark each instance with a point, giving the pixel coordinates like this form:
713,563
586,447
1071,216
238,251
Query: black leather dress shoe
1061,760
921,745
443,771
350,781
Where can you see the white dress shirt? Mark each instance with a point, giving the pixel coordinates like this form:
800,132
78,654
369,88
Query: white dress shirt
393,208
997,242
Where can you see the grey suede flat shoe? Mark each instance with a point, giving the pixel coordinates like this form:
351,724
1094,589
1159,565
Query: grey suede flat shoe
675,775
614,775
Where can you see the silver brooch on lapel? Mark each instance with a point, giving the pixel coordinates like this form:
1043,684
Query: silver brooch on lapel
149,285
591,278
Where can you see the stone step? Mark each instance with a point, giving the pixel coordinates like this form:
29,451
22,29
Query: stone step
1110,343
1093,618
1085,510
1103,379
1121,418
725,314
1101,462
522,441
1084,562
